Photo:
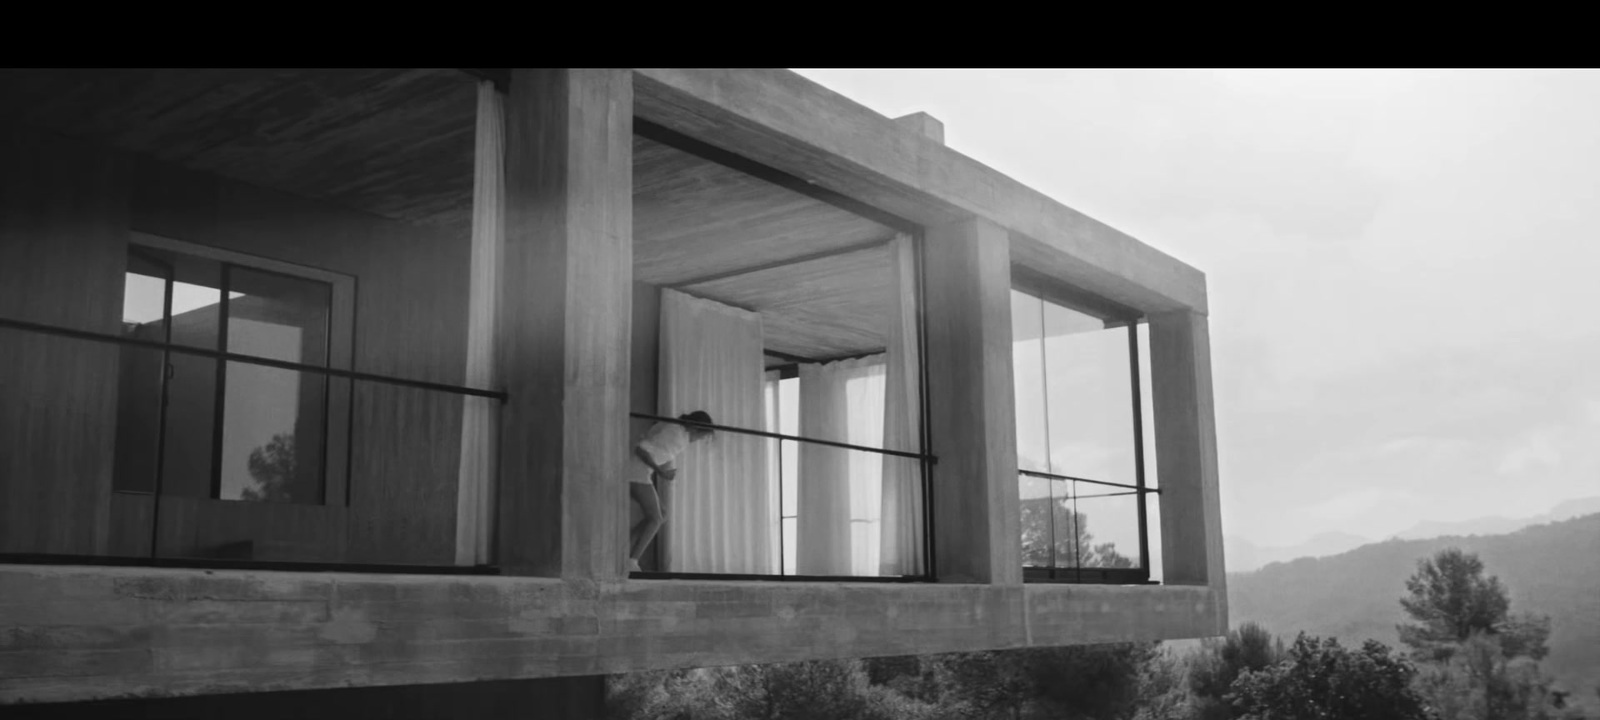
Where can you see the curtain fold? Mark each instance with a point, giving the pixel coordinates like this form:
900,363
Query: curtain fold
719,509
475,487
902,528
840,490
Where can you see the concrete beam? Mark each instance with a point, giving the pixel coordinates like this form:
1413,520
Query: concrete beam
89,633
566,330
923,124
1186,452
784,120
972,419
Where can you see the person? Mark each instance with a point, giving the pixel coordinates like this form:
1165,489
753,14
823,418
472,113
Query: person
654,460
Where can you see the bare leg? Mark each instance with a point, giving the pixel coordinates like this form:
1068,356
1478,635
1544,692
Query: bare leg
645,531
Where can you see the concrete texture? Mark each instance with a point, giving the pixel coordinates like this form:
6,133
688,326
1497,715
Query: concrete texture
784,120
88,633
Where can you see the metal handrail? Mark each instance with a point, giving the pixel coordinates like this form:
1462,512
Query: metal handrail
777,436
248,359
1053,476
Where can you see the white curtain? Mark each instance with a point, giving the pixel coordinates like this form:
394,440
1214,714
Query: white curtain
902,524
719,509
772,398
480,416
840,490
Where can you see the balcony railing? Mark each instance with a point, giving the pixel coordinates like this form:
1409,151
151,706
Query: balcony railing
852,545
305,466
1063,527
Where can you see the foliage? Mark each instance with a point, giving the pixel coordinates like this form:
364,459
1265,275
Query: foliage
1548,569
1321,679
1163,687
273,467
1213,669
1052,521
1450,599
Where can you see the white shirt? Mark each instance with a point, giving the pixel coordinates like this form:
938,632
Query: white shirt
665,442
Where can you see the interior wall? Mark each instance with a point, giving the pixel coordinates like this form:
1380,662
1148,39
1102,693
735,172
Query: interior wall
63,220
66,207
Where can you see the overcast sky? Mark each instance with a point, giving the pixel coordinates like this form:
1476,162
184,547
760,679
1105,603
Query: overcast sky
1402,266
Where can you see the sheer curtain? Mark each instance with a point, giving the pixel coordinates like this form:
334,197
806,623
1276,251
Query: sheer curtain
902,527
840,490
480,416
719,509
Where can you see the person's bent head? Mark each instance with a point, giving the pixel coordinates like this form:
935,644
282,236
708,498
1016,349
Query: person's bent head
698,420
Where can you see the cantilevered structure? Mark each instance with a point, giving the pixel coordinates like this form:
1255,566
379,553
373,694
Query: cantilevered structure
327,379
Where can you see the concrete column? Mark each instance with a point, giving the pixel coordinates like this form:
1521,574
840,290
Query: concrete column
1186,450
967,282
566,322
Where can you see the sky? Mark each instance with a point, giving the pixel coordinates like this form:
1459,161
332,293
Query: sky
1401,266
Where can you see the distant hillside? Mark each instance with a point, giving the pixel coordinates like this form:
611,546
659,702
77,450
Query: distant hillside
1499,525
1551,569
1244,555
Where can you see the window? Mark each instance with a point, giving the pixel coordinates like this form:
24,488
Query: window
1081,441
781,310
226,429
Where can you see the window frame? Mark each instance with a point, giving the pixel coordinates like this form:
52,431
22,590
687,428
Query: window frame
338,400
1114,315
643,127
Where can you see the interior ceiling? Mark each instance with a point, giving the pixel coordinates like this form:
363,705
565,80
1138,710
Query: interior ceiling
399,143
393,142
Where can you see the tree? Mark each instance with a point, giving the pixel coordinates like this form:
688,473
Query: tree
1320,679
1213,669
273,467
1047,521
812,690
1483,661
1450,600
1163,688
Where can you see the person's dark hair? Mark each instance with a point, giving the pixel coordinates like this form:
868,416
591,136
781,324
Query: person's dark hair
699,416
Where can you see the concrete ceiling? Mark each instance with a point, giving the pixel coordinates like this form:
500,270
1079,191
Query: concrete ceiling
399,143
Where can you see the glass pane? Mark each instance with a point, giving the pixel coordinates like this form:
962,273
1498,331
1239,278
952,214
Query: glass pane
1090,403
1038,535
278,317
274,420
139,378
196,299
790,460
272,433
789,548
1108,527
1147,407
1027,368
186,461
859,513
1152,504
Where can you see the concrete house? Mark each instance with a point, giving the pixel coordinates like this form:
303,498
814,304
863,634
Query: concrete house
319,388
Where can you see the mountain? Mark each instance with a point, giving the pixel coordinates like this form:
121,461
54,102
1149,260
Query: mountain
1499,525
1244,555
1550,569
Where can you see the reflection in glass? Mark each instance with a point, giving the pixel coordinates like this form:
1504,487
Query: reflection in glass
1074,379
1027,358
1089,397
139,377
273,419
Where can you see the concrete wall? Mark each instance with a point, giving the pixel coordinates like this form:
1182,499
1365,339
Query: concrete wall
582,697
81,633
84,632
67,208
